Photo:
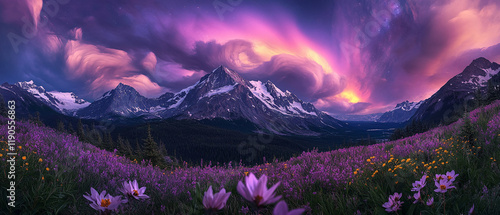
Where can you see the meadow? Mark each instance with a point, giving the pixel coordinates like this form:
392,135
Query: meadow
55,170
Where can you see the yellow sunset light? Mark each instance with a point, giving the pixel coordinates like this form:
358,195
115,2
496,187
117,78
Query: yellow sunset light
351,96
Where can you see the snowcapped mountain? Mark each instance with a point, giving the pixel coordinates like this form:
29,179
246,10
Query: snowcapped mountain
221,94
401,113
123,101
63,102
457,93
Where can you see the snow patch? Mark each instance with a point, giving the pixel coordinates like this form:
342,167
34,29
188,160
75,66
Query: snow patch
156,109
482,80
299,107
68,101
260,91
181,98
220,90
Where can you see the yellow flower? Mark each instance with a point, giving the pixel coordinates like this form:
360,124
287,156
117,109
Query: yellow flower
24,157
40,160
355,172
43,178
403,160
20,147
26,164
47,169
368,160
382,164
1,155
246,173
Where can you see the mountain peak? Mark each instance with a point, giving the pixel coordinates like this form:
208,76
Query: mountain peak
481,63
30,85
223,76
123,86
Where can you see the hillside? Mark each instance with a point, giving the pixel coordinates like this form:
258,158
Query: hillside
58,166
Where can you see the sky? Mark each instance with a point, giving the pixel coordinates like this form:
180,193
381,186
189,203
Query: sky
345,57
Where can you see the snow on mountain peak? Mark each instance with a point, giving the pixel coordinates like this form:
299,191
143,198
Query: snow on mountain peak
220,90
63,101
68,101
482,80
290,106
408,106
27,85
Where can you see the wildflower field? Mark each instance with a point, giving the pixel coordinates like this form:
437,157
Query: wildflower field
451,169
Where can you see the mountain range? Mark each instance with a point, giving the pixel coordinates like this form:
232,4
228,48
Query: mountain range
399,114
224,94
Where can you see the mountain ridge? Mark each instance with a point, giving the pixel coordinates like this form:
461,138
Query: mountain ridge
457,93
223,93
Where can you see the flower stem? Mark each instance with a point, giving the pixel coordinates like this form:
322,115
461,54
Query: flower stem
444,204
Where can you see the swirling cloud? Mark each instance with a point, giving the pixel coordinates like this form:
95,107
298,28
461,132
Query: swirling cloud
103,68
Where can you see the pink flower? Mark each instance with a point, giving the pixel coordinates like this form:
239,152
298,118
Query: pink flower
417,197
430,201
443,186
255,190
393,204
131,189
418,185
103,202
439,177
282,209
451,176
217,201
471,211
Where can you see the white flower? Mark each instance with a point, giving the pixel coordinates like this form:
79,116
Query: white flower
103,202
131,189
217,201
282,209
255,190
